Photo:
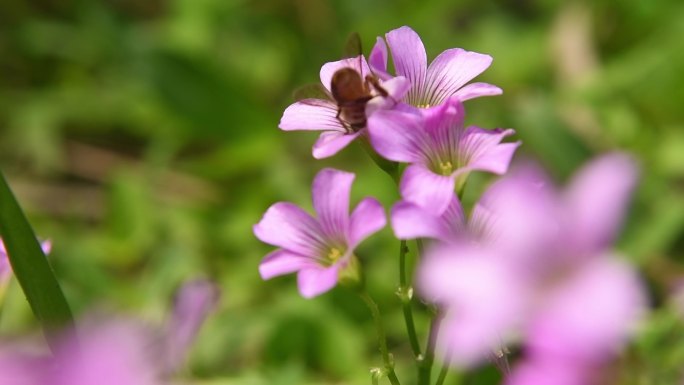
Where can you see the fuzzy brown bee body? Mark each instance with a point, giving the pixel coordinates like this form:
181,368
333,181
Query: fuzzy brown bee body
352,93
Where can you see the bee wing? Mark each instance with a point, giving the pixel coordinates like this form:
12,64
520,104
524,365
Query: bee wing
311,92
352,48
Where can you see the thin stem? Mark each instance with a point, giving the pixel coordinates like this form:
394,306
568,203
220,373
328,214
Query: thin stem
432,338
425,370
405,293
445,369
382,338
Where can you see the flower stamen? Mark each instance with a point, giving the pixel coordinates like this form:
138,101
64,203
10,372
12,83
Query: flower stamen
446,168
334,255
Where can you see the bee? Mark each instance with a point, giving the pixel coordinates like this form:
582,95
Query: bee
349,90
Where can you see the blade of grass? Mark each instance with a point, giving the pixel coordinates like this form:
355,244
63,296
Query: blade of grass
31,267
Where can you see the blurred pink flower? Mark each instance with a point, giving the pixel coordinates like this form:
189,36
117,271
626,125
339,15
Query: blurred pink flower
441,152
318,249
431,85
115,351
546,275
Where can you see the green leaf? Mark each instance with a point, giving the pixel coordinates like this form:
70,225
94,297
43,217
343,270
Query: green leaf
31,267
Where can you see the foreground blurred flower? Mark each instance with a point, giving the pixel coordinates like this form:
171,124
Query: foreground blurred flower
549,276
323,114
446,76
319,249
115,351
440,150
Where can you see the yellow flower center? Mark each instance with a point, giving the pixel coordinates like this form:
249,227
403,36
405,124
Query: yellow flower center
423,106
446,168
334,255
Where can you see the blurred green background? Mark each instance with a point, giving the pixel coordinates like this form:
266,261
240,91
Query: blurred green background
142,139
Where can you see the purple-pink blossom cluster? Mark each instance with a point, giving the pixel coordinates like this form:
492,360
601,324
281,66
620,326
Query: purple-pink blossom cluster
529,264
419,122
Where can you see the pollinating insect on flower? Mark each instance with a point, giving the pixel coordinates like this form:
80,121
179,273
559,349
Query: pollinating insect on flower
349,92
320,250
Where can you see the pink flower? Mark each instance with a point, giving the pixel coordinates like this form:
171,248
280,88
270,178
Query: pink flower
111,353
440,151
446,76
115,351
322,114
318,249
548,275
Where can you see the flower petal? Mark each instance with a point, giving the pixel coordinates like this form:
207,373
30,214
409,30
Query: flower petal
610,292
476,90
329,69
19,370
378,60
410,221
451,70
539,370
483,300
453,217
521,217
330,190
597,199
288,226
397,136
281,262
482,149
409,57
367,218
192,304
111,352
331,142
317,280
396,89
311,115
427,189
444,127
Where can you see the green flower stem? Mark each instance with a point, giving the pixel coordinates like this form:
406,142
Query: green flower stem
443,372
405,293
445,369
382,338
425,370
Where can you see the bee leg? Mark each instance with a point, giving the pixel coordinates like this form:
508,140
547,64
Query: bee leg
373,81
344,124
